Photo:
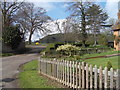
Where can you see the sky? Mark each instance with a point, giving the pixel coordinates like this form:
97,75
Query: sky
57,9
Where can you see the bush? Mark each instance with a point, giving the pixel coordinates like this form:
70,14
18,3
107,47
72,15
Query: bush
109,65
48,50
57,44
67,49
12,36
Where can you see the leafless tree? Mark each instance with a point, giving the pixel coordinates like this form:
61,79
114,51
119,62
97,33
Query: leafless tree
8,10
79,14
31,19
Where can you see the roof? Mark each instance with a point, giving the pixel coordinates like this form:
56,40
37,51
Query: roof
116,30
107,25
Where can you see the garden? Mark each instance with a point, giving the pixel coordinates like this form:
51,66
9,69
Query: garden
96,55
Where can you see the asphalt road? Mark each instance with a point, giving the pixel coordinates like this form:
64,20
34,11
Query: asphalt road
10,66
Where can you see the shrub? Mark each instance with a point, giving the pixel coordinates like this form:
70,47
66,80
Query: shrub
77,57
57,44
109,65
67,49
49,49
12,36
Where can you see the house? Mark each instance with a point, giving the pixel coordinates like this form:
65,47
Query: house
116,29
117,39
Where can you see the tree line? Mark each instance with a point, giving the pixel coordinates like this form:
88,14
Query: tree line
85,18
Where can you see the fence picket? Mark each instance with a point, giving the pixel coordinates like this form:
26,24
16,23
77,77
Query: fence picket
83,76
70,74
105,77
79,75
95,77
100,77
91,77
118,80
76,75
87,80
111,78
65,74
63,71
60,72
57,70
73,74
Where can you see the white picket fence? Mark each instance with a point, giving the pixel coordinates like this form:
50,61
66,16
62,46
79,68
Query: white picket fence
80,75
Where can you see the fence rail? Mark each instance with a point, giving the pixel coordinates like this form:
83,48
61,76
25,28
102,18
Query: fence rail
79,75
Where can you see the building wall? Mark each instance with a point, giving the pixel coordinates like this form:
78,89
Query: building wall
116,34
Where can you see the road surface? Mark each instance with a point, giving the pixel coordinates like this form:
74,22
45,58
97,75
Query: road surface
10,66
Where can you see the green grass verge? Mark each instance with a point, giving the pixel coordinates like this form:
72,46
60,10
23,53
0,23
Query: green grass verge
29,77
103,61
6,54
100,54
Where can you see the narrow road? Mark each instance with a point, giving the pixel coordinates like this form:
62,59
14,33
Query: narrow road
10,66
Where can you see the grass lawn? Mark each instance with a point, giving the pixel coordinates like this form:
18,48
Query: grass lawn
29,77
100,54
103,61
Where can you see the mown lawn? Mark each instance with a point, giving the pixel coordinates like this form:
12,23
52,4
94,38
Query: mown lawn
29,77
103,61
100,54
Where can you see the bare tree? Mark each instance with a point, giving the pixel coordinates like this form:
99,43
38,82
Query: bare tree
8,10
31,19
64,28
79,14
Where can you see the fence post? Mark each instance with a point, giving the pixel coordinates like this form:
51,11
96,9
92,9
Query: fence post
106,77
39,65
83,76
46,67
100,77
111,78
80,75
51,69
76,75
70,74
91,77
95,77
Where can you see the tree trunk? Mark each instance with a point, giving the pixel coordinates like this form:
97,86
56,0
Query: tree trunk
84,34
95,39
29,42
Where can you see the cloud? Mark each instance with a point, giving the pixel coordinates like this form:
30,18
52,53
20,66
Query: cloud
112,8
46,5
48,0
65,5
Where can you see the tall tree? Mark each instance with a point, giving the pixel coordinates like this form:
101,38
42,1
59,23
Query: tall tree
8,10
31,19
96,17
79,13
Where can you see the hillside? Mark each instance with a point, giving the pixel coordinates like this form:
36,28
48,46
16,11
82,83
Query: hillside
57,38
